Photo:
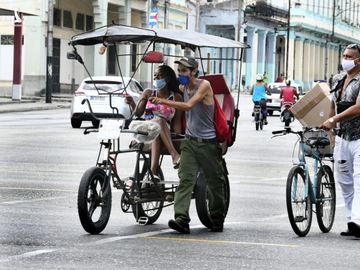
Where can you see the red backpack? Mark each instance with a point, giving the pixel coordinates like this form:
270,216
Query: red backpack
220,123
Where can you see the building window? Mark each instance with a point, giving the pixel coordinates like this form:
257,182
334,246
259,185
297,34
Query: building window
68,20
7,40
80,24
57,17
89,23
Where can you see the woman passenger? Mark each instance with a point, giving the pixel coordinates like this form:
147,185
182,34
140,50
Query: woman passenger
165,86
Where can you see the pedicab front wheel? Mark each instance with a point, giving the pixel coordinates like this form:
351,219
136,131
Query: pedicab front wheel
94,200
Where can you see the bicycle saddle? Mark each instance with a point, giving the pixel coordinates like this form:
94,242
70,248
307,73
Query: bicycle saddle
318,141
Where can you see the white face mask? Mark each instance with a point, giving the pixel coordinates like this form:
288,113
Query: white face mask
348,65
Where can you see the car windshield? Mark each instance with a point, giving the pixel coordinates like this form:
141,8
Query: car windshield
275,89
103,85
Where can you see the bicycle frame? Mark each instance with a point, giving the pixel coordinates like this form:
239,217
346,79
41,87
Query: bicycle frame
310,186
301,192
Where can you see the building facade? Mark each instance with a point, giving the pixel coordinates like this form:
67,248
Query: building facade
70,18
305,46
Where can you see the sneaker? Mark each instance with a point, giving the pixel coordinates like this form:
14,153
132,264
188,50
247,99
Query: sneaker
173,224
265,122
347,233
354,228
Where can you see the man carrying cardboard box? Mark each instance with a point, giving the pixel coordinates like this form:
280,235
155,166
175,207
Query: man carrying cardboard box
346,101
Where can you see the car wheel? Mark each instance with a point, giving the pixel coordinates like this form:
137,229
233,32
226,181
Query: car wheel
270,112
75,123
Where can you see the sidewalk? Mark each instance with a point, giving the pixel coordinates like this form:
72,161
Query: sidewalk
7,105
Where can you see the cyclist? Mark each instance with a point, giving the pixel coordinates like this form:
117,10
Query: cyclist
289,95
258,92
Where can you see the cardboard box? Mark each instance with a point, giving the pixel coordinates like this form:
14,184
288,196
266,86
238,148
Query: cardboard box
314,107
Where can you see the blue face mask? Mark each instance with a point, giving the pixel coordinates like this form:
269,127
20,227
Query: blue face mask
184,79
158,84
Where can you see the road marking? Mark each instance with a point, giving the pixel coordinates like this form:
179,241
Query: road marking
35,200
230,161
238,178
38,189
219,241
27,254
139,235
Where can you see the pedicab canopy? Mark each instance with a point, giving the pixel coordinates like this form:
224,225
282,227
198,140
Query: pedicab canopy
125,34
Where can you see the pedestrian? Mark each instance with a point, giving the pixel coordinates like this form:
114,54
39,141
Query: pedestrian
331,80
258,92
266,78
280,78
345,112
199,149
165,86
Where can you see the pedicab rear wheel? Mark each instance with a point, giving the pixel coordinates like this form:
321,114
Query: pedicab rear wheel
202,201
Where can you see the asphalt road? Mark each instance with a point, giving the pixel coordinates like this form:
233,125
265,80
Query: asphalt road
42,160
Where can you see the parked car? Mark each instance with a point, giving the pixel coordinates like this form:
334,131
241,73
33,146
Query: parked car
100,99
273,100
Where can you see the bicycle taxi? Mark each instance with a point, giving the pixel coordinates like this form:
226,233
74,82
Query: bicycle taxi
140,195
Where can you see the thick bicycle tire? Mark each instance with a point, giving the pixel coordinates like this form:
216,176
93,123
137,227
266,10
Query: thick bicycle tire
202,202
149,210
325,199
94,200
299,208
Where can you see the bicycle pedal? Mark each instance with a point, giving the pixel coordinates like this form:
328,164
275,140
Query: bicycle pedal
143,220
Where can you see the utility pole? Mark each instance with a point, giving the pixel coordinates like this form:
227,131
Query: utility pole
166,13
17,87
287,42
49,56
333,21
332,37
239,38
166,2
197,17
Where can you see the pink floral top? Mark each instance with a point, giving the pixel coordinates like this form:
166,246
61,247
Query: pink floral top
159,111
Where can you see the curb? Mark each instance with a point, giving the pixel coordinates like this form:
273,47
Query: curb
31,106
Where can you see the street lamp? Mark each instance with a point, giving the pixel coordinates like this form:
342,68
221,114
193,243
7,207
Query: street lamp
287,41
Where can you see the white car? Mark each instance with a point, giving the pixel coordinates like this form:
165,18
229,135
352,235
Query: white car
273,102
99,98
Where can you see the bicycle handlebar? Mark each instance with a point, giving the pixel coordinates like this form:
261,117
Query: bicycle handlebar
90,109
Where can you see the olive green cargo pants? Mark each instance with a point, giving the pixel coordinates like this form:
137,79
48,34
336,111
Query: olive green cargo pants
208,156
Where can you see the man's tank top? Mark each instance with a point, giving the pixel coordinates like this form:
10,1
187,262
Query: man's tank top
200,119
